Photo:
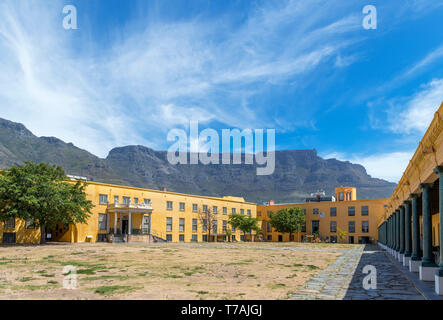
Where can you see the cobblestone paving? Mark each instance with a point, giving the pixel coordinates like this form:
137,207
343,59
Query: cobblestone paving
343,279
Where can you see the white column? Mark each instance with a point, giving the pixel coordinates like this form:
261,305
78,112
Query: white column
115,222
130,223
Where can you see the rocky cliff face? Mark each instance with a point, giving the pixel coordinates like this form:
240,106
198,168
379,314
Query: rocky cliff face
297,172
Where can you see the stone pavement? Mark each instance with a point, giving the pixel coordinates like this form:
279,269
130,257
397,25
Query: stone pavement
343,279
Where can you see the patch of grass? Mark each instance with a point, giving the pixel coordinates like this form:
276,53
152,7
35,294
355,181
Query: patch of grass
173,276
52,282
26,279
277,285
105,278
298,265
312,267
188,273
252,276
109,290
202,292
291,276
4,262
33,287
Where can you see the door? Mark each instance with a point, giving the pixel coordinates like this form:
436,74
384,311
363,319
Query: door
124,226
315,226
351,239
280,238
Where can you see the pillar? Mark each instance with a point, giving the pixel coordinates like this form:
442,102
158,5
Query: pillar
130,223
115,222
428,267
397,230
414,263
402,230
108,222
408,238
439,273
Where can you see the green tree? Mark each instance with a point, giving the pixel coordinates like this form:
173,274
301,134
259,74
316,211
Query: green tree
243,223
288,220
341,234
39,192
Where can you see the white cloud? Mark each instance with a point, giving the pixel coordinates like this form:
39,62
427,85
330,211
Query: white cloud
387,166
417,113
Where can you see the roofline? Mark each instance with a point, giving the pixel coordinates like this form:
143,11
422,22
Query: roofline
163,192
320,202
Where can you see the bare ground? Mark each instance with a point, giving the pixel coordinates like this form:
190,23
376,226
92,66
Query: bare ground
162,271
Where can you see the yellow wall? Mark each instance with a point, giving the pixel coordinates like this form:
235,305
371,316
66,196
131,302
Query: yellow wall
23,235
375,206
159,212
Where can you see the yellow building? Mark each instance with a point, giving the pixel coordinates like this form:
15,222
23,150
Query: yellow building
141,215
355,220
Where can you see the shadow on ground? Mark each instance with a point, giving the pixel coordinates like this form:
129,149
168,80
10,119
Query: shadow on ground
392,284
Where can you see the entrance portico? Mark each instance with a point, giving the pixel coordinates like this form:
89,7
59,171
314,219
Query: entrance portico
129,219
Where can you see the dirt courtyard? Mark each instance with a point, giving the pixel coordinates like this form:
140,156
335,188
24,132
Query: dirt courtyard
161,271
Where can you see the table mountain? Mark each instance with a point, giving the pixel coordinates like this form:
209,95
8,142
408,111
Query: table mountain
297,172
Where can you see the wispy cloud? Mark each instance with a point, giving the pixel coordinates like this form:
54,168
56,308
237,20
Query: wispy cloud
414,116
150,80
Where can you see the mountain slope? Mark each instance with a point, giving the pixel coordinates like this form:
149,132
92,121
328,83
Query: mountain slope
297,172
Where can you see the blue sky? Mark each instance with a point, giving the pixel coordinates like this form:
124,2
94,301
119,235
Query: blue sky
133,70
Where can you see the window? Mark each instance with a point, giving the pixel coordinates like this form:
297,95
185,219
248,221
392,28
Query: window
269,238
147,201
333,226
145,225
268,227
233,238
242,212
181,238
10,224
169,224
9,237
333,212
116,199
365,211
194,225
214,227
269,213
194,207
182,206
351,226
205,208
225,225
169,237
194,238
233,229
30,224
103,199
303,228
365,226
315,226
205,238
249,212
181,225
214,209
168,205
204,225
340,196
333,239
126,200
233,211
102,221
225,210
291,237
258,214
315,211
136,200
351,211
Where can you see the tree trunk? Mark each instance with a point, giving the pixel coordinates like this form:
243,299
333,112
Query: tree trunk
42,234
298,236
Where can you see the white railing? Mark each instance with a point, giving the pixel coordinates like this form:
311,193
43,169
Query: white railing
141,205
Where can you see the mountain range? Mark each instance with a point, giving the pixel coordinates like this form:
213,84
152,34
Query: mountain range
297,172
